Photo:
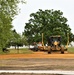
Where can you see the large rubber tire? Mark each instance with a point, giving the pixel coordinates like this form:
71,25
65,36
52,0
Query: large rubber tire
36,49
49,50
62,50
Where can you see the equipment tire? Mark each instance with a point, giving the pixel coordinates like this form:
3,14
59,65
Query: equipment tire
49,50
62,50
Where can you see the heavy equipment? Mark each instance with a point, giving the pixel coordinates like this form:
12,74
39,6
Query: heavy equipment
41,44
54,43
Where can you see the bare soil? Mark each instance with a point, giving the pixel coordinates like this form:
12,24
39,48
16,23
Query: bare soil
37,64
37,61
39,54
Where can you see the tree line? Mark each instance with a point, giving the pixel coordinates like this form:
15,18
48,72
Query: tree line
50,22
8,10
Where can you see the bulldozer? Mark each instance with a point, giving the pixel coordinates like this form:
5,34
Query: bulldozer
54,43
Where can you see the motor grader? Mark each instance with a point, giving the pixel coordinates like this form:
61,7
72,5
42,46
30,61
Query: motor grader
54,43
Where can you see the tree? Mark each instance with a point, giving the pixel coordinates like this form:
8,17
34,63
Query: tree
14,39
8,9
17,40
49,22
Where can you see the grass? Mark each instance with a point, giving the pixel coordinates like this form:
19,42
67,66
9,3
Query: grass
2,52
71,49
15,51
27,51
21,51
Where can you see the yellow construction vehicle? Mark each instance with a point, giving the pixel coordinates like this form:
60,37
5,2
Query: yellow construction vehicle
54,43
41,44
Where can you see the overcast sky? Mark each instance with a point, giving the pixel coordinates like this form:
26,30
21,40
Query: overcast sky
31,6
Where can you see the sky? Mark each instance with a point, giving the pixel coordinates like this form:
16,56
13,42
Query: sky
32,6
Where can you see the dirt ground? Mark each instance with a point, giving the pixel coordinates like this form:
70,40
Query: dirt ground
39,54
37,64
37,61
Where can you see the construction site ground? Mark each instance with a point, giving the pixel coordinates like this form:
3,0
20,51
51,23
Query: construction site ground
37,61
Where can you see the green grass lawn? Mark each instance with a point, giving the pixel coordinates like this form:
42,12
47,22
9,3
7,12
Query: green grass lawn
15,51
27,51
21,51
71,49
